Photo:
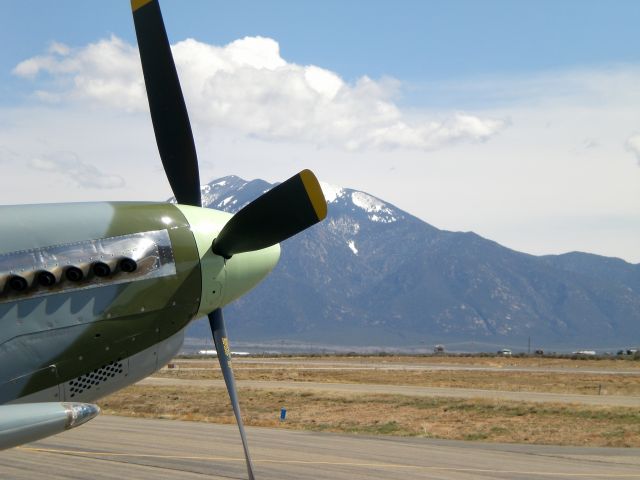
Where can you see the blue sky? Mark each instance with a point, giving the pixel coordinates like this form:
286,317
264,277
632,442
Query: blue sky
518,120
416,40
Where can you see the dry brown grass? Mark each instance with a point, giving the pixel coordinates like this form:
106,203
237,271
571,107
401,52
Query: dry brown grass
461,419
496,421
573,381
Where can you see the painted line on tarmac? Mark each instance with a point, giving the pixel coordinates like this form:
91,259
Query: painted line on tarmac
336,464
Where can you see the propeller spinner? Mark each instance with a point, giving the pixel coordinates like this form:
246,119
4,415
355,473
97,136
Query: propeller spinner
280,213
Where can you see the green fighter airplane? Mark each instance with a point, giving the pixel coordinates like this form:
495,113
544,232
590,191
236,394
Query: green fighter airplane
96,296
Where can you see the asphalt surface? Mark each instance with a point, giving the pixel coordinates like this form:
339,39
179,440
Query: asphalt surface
127,448
409,390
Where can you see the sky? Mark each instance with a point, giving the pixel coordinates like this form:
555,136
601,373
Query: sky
519,121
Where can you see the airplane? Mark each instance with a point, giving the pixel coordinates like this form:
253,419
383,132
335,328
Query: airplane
213,352
96,296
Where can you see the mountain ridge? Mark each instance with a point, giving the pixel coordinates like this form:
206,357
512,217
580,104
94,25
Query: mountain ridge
372,274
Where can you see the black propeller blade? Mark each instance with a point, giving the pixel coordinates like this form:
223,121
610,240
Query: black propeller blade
216,321
168,111
283,211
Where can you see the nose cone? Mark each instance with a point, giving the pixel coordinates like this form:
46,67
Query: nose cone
224,281
246,270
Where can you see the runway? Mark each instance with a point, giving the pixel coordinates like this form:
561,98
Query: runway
346,364
410,390
127,448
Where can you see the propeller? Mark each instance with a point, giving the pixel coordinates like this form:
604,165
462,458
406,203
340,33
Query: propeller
166,103
216,321
282,212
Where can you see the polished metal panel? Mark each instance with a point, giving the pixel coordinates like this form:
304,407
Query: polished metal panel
152,252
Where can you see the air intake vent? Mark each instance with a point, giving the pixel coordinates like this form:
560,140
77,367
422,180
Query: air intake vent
95,378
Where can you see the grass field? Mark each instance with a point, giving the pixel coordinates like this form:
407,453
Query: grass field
460,419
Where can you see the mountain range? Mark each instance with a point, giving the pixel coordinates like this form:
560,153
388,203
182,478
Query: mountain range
374,275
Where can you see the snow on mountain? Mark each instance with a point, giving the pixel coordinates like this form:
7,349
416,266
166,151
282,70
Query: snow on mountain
372,274
231,193
331,192
379,210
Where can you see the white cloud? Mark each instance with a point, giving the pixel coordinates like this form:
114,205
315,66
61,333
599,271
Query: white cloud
82,174
247,86
592,87
107,71
8,155
633,145
560,178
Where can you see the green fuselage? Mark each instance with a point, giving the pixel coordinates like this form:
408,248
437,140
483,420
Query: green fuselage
52,336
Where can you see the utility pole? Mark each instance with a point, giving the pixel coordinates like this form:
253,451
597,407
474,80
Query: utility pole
529,346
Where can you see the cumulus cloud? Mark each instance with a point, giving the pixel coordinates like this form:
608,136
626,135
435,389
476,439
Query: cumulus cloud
633,145
80,173
247,86
107,71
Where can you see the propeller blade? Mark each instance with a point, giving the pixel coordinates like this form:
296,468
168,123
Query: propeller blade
283,211
168,111
216,321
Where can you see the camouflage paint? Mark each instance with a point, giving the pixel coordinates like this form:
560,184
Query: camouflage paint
46,341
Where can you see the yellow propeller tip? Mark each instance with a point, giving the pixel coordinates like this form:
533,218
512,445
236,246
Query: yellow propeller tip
136,4
314,192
